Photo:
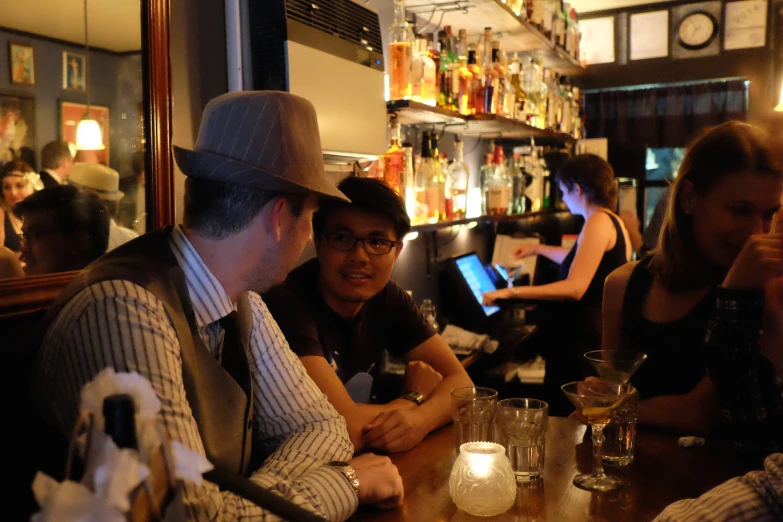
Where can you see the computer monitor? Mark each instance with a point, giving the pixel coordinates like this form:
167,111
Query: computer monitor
475,281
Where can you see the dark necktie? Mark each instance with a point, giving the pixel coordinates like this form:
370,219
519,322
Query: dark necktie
234,359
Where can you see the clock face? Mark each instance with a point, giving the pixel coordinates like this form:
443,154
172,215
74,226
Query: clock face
697,30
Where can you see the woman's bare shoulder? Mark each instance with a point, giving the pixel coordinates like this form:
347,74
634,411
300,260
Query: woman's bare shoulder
618,279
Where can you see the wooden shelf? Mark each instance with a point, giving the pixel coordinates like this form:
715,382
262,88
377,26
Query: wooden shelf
494,126
416,113
484,125
441,225
515,34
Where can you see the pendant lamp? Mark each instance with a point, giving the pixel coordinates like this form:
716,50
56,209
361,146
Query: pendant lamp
88,132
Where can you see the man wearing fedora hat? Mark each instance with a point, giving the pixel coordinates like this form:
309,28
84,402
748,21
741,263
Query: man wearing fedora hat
181,307
104,182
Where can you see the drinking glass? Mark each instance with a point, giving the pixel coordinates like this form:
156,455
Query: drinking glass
597,399
619,365
472,410
620,434
521,425
616,365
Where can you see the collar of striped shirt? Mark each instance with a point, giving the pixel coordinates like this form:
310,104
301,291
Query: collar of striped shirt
210,300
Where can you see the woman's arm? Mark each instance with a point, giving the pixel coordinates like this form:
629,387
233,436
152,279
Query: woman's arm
596,236
694,413
555,254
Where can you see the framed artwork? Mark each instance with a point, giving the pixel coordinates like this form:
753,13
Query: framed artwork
649,35
21,58
71,113
597,42
17,126
74,72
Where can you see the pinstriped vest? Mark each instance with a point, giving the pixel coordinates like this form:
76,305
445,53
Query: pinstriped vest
222,410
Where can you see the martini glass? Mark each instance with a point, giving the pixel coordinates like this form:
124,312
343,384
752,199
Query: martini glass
597,398
616,365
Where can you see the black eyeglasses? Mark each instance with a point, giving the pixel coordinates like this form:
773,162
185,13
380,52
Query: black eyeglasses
372,245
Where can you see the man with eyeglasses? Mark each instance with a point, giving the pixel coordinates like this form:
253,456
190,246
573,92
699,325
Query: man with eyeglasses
340,311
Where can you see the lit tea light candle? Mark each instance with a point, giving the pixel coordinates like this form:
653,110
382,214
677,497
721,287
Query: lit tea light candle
482,482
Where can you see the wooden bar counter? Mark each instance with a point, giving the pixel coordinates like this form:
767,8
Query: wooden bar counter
661,474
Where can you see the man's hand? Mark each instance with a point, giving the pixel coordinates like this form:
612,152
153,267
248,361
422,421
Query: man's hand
760,260
395,431
380,483
421,377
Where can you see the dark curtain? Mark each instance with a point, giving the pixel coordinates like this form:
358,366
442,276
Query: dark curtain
666,116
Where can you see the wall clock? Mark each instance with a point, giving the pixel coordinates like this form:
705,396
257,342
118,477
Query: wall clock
697,30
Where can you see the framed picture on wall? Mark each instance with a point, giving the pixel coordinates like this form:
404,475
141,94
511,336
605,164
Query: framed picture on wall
71,113
74,72
21,58
17,126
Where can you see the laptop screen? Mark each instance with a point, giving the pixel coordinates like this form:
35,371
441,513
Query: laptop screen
472,270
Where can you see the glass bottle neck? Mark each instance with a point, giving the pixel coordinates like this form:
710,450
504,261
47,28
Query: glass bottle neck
459,151
399,12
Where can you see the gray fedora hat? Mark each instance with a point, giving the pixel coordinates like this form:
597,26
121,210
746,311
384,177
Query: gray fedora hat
268,140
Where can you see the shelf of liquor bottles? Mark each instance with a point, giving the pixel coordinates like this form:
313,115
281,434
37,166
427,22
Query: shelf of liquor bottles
440,225
520,33
488,126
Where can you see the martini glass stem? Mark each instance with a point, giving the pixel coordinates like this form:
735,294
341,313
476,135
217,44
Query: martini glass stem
598,444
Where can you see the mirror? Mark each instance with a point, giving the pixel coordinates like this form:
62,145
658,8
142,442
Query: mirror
73,188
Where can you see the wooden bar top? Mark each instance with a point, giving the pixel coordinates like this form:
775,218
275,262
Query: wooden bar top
661,473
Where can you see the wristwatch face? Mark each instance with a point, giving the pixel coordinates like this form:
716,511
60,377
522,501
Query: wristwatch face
416,397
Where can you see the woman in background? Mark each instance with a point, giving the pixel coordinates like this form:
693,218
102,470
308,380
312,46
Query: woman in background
728,189
589,190
19,180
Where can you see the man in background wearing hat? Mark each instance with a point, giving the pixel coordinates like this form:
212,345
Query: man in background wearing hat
104,182
181,306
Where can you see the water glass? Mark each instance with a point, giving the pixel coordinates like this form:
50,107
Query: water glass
620,433
472,410
521,429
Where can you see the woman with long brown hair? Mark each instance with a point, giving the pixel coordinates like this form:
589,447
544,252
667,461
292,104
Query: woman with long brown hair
728,190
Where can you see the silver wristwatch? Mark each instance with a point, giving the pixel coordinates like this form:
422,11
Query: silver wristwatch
347,472
413,396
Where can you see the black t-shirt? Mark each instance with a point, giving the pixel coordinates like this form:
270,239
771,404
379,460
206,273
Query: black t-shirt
390,320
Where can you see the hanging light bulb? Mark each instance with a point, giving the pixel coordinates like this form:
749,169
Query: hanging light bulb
779,108
88,132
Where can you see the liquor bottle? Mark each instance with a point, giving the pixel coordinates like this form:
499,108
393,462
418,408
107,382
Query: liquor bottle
560,24
500,86
449,66
484,174
463,77
575,35
537,14
517,99
394,162
119,413
423,72
485,90
517,184
408,176
549,16
429,184
459,175
434,54
476,78
444,205
499,186
400,55
566,117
